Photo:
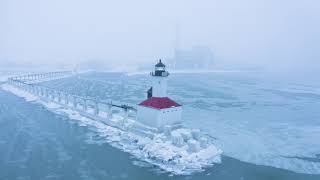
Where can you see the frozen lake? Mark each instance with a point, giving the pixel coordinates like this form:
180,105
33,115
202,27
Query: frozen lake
267,129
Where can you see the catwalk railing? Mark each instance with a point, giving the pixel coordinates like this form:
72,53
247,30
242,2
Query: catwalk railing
40,77
89,107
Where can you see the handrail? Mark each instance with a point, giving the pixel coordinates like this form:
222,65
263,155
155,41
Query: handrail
17,80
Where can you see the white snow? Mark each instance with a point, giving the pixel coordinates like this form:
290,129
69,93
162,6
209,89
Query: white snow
159,150
18,92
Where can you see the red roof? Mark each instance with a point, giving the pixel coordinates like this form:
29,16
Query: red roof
159,103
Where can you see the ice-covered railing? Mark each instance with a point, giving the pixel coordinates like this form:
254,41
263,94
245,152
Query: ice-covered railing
87,106
40,77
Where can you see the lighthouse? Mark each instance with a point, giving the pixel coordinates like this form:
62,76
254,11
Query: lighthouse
158,110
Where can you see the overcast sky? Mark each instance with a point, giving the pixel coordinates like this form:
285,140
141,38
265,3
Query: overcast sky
273,34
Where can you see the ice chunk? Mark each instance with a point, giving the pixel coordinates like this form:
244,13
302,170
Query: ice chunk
203,142
194,146
177,139
18,92
195,134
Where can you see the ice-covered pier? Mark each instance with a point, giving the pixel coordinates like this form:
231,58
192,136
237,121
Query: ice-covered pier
171,147
87,106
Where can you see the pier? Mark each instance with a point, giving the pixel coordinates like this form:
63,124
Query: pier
100,110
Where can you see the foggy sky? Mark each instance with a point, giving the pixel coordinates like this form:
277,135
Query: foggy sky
272,34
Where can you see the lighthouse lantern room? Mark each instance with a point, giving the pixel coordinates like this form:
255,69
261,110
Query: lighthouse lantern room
158,110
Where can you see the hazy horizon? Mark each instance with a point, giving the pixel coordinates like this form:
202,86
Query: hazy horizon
271,35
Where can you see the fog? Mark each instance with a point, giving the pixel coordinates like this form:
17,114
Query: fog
266,34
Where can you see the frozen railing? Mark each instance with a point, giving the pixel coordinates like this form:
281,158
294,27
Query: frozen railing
90,107
42,76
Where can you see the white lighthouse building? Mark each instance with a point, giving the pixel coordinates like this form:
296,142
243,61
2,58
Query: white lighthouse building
158,109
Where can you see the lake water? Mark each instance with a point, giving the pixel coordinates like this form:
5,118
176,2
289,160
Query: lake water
267,129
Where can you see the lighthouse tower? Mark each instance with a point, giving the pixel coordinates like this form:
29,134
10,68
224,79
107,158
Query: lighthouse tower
158,109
